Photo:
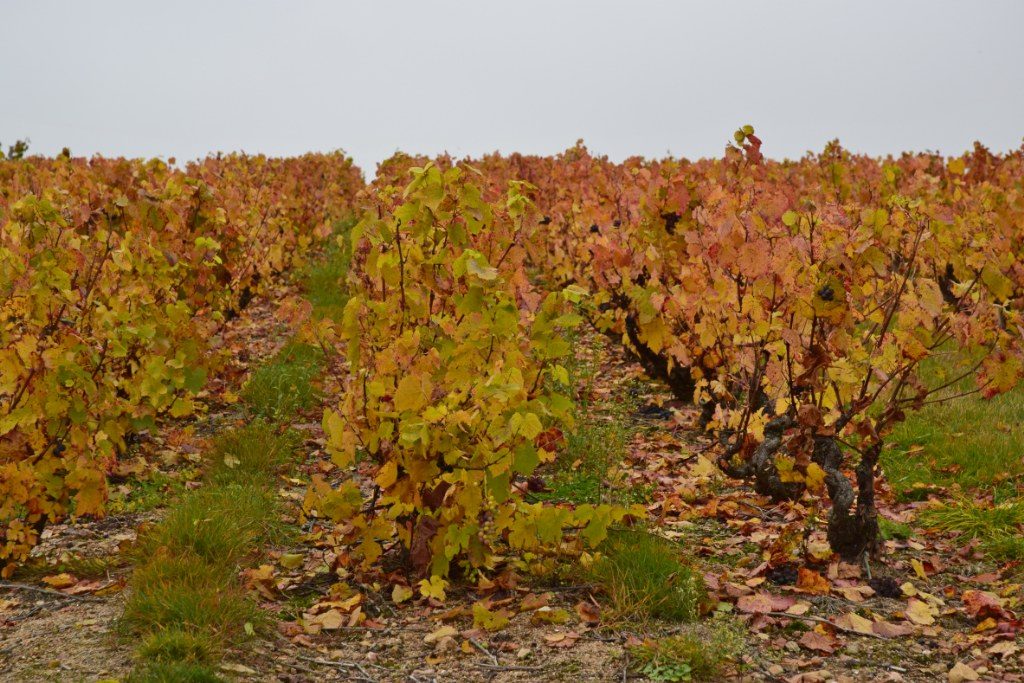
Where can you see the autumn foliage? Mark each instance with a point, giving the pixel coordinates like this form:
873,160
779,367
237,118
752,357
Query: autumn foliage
455,385
797,302
114,274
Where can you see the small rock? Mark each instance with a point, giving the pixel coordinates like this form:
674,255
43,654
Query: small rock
792,646
776,670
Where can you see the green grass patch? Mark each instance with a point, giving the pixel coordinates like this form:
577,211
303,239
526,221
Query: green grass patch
218,526
966,443
998,527
145,494
891,530
285,385
697,655
179,645
174,672
587,465
1004,546
250,454
323,281
184,592
81,567
644,577
185,601
975,521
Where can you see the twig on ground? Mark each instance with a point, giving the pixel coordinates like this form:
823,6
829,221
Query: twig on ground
366,677
483,649
819,620
10,585
496,668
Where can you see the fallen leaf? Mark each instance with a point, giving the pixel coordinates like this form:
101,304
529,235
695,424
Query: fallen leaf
799,608
237,668
588,613
961,672
919,612
548,615
889,630
759,603
811,581
59,580
982,604
856,593
918,569
401,593
566,639
820,642
443,632
330,620
291,560
855,622
1004,648
533,601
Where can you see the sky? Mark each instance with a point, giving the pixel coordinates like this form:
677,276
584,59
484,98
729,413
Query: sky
186,78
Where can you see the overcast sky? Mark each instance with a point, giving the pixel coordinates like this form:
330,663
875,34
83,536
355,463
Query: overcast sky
186,77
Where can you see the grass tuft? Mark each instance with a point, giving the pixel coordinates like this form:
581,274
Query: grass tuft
285,385
323,281
998,527
699,655
894,530
187,593
975,521
589,462
175,672
966,443
249,454
179,645
644,576
218,526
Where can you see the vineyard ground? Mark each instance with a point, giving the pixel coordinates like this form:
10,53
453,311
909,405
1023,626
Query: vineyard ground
632,444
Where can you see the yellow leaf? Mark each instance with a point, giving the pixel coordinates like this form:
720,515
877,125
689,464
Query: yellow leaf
489,620
412,393
531,426
918,568
919,612
330,620
401,593
815,477
387,475
443,632
433,587
857,623
63,580
291,560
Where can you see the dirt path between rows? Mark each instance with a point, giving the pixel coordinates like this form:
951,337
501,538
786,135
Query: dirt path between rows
73,637
729,530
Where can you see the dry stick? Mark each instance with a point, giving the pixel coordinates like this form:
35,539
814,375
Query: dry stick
498,668
483,649
10,585
342,665
819,620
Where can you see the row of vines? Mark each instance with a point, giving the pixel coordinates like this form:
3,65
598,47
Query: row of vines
797,302
115,276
